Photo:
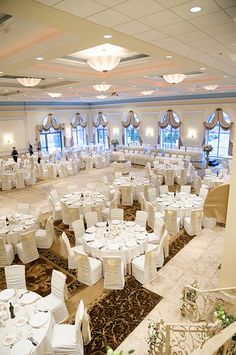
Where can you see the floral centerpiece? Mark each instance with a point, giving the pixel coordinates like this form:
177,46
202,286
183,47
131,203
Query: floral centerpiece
114,142
207,148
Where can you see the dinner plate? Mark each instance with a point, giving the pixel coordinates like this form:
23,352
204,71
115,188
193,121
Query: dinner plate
130,223
9,339
140,236
140,229
27,216
113,247
29,222
38,319
21,321
91,229
17,228
4,230
23,347
131,243
97,244
115,221
89,237
101,224
5,295
29,298
3,218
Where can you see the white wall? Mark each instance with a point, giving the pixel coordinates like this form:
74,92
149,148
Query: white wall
20,121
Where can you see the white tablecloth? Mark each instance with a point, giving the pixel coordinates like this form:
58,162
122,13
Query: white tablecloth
125,239
135,182
184,203
84,198
28,322
212,181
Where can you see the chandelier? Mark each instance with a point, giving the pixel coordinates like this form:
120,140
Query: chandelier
104,63
29,82
147,92
174,78
101,97
54,94
102,87
210,87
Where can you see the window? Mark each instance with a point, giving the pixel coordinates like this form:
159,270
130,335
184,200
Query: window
79,135
102,136
132,135
218,138
170,135
50,140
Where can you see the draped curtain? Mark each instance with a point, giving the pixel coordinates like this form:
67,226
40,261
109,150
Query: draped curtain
48,122
76,121
218,117
169,119
101,120
133,120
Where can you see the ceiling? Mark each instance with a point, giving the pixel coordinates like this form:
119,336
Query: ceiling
202,45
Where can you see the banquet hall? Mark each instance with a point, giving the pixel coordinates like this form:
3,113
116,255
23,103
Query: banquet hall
117,177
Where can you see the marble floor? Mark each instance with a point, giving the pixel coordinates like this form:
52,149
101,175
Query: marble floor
199,260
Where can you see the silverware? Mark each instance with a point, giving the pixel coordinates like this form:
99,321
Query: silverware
33,341
17,339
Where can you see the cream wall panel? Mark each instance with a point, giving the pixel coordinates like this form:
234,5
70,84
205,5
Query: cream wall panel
12,133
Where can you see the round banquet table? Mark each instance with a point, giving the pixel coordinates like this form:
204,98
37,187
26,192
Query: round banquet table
183,202
214,181
16,225
83,199
136,182
120,238
32,321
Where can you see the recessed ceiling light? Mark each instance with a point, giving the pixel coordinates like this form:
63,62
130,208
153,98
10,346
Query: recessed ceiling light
9,98
6,90
156,89
25,95
1,72
195,9
202,68
39,58
60,78
134,86
225,76
168,56
107,36
145,76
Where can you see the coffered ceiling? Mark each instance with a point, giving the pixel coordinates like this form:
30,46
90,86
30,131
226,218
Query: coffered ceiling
158,37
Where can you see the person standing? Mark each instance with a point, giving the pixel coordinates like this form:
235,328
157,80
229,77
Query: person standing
30,149
40,155
14,154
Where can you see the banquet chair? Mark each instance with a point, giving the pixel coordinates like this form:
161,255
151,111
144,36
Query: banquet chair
117,214
146,187
23,208
203,193
55,300
162,249
193,224
197,184
44,237
6,182
164,189
105,180
20,183
52,171
106,212
67,251
72,188
152,194
15,276
79,230
181,178
26,249
73,215
56,209
141,218
127,198
91,218
54,196
208,171
118,174
91,186
6,253
155,236
144,266
152,214
172,222
169,177
68,338
89,269
185,188
65,213
113,271
38,216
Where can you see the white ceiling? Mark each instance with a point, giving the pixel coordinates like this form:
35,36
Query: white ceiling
158,28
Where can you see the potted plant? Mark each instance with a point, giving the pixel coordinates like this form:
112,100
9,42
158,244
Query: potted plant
207,148
114,142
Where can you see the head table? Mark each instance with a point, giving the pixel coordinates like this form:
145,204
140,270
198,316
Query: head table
30,331
117,238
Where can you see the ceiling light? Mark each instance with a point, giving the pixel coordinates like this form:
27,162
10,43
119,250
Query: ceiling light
195,9
147,92
29,82
145,76
104,63
1,72
107,36
225,76
102,87
6,90
39,58
210,87
60,78
101,97
202,68
54,94
168,56
156,89
9,98
174,78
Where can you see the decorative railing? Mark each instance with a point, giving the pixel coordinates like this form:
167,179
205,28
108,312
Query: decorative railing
199,305
181,339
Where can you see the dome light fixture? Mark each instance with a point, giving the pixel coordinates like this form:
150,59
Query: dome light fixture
54,94
210,87
104,63
29,82
102,87
147,92
101,97
195,9
174,78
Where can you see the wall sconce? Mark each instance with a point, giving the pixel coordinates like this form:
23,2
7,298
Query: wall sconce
68,132
8,139
192,133
149,132
116,131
